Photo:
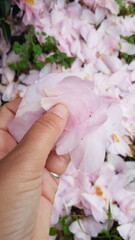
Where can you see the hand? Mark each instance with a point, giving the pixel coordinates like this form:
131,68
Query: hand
27,189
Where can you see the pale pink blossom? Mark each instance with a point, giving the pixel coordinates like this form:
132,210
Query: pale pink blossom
127,48
12,58
52,237
31,77
10,92
111,5
118,144
8,74
127,231
91,117
94,192
89,228
33,9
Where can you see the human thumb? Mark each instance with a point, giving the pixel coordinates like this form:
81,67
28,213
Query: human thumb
36,145
25,202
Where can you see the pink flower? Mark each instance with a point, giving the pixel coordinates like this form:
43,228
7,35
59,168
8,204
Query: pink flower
34,10
31,77
8,74
111,5
92,118
128,109
89,228
10,92
127,231
93,193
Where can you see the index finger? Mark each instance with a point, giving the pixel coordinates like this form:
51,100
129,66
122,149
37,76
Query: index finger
7,113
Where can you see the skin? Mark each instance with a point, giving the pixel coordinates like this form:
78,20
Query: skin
27,190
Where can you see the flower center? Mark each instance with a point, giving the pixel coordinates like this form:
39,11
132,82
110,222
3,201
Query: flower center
99,191
30,2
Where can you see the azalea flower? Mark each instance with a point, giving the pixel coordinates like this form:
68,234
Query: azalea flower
93,193
111,185
111,5
10,92
127,231
91,117
89,228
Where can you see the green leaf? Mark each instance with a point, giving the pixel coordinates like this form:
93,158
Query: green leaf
64,64
12,66
19,67
37,49
27,37
128,58
50,59
6,31
104,233
32,48
53,231
23,64
66,231
31,30
62,220
109,215
16,48
39,65
70,60
43,33
120,3
4,7
129,39
125,8
131,9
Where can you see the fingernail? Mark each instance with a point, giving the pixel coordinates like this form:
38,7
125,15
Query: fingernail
60,110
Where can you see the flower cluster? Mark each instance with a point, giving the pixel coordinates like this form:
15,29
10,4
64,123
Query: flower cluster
92,118
99,90
111,186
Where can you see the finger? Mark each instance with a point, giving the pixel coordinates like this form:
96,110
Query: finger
57,164
36,145
7,143
49,189
7,113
